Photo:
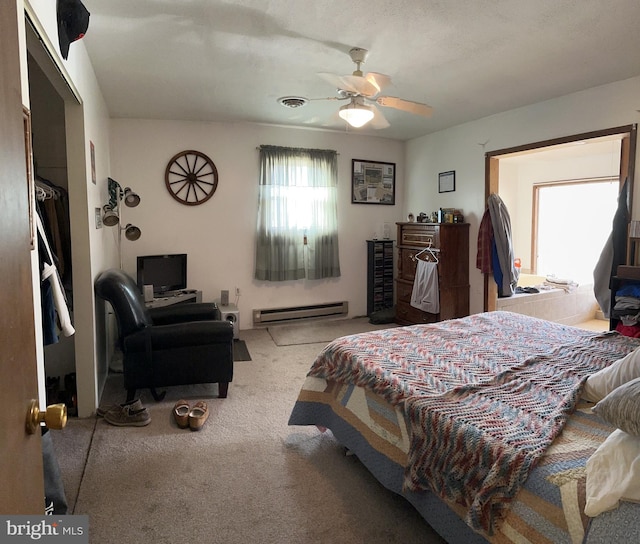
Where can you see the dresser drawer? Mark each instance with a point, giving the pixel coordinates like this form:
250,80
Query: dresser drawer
406,314
420,235
403,291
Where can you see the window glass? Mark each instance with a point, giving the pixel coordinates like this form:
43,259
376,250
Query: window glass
574,222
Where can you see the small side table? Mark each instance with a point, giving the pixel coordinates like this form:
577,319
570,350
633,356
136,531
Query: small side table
176,298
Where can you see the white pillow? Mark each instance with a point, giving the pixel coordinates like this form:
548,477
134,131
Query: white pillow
600,384
613,473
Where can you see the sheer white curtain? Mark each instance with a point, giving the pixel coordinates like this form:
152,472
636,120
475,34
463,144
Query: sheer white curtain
297,214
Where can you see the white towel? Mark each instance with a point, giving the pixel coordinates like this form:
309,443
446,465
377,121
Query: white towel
426,295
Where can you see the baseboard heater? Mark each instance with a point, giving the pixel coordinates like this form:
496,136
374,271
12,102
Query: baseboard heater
295,313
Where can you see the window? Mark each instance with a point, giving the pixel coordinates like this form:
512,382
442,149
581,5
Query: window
573,223
297,214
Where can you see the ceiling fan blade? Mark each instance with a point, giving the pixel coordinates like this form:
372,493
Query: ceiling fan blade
361,85
379,81
405,105
379,120
339,82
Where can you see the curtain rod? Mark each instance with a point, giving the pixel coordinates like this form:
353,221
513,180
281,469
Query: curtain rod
296,148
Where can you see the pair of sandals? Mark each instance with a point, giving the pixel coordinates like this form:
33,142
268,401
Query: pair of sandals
193,417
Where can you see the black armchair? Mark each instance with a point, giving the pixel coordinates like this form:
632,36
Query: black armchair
174,345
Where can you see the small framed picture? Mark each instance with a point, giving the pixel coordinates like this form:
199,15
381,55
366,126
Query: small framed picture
373,182
447,181
93,162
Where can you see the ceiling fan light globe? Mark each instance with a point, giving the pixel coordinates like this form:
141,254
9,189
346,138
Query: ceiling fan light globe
356,115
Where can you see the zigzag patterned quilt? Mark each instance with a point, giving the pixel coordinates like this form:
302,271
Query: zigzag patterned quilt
483,397
547,510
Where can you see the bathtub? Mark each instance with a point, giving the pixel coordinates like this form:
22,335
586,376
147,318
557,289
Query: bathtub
553,305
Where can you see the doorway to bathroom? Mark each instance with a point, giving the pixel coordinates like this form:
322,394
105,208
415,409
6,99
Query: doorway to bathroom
549,189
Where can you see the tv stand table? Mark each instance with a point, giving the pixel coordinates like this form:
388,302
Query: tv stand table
179,297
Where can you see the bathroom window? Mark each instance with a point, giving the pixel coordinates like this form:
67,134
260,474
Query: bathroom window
572,223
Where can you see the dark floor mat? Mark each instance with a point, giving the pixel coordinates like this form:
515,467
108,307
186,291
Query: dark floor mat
240,351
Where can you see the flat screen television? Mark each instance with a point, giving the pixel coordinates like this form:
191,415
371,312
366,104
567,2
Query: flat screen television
165,272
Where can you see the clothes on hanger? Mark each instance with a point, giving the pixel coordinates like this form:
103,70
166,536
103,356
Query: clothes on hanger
485,244
434,257
53,205
501,222
45,189
425,294
613,253
53,298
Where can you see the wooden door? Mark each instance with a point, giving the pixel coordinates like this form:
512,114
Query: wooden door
21,470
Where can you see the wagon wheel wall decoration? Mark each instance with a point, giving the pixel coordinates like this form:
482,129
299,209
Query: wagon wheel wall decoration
191,177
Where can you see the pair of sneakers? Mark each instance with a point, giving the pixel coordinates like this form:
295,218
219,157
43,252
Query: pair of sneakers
193,417
128,414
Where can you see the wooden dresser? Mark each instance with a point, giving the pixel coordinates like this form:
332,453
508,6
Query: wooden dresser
450,243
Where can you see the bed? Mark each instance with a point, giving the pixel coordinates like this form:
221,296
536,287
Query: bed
478,422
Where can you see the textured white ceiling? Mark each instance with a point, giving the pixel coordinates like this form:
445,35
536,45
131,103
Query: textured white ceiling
212,60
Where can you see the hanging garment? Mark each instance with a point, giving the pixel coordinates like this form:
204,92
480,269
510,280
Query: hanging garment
495,264
426,295
613,254
619,230
53,205
49,272
485,243
602,277
501,222
49,327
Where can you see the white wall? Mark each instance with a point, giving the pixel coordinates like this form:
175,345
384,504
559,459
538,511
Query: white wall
219,235
463,148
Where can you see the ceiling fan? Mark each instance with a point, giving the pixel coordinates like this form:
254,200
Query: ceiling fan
363,92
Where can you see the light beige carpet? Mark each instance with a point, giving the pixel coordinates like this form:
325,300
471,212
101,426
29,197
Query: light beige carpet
246,477
314,332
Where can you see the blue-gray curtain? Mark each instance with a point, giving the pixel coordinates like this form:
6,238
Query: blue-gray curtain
297,214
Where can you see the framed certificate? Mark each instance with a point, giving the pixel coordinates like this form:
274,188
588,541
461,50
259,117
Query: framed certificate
447,181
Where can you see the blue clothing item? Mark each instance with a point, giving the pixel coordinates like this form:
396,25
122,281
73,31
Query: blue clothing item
629,290
49,329
497,271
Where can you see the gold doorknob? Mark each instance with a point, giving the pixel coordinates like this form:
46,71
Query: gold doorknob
54,417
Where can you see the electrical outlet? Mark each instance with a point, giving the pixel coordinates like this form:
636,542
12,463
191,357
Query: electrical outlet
237,291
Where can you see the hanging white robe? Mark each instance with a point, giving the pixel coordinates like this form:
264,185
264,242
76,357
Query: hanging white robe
426,294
